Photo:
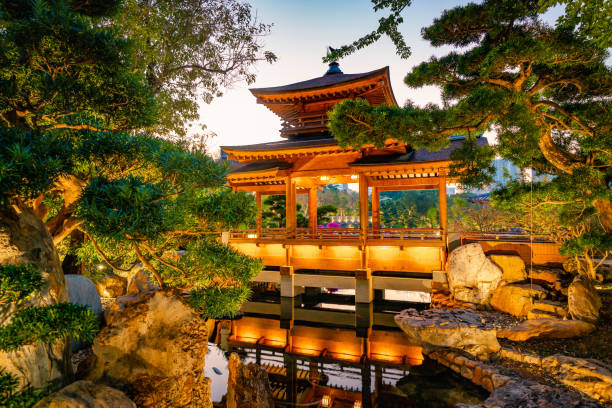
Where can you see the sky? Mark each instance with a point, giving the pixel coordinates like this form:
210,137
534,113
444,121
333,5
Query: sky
302,30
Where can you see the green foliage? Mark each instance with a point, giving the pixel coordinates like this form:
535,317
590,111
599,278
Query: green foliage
190,51
543,90
386,26
218,302
18,283
48,324
274,213
592,18
25,398
409,209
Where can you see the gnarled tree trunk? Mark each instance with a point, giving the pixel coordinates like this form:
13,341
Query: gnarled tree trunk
24,239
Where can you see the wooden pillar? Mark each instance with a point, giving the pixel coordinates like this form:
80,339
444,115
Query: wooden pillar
363,205
290,216
442,205
375,209
259,210
312,210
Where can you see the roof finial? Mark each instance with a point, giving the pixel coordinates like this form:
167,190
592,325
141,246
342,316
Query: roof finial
334,67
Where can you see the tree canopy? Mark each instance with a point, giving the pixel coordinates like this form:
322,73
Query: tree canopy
544,90
189,51
71,104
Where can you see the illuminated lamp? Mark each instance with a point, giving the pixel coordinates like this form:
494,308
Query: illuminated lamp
251,236
357,404
324,178
100,267
326,401
354,177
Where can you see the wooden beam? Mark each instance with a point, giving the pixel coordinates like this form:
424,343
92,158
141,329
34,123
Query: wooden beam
410,188
258,202
442,206
363,205
312,210
401,182
375,209
290,215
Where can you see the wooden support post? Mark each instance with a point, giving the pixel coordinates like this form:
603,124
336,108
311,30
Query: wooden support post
291,216
363,206
312,210
259,211
375,210
442,206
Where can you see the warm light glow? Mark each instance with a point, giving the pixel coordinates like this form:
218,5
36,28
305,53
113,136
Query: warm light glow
357,404
251,236
324,178
100,267
355,177
326,401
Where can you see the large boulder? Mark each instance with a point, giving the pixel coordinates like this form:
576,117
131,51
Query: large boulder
471,275
111,286
457,328
82,291
530,394
24,239
248,385
85,394
512,266
583,301
546,329
154,347
516,299
591,377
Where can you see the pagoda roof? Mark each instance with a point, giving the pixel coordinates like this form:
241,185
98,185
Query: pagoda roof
322,82
416,156
320,141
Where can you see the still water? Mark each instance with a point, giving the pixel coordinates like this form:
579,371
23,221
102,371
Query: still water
322,350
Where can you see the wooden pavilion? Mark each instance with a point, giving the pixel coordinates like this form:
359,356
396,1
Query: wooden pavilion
307,158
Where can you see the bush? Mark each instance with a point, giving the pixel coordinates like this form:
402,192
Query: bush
18,283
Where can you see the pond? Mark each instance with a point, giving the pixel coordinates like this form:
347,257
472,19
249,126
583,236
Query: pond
322,351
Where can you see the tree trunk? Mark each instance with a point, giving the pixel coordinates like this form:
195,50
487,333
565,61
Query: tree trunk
71,264
24,239
604,207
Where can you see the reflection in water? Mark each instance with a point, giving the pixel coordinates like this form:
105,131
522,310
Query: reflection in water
317,354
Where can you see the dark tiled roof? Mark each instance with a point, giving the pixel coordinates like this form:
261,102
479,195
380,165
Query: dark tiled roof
261,166
415,156
320,82
285,144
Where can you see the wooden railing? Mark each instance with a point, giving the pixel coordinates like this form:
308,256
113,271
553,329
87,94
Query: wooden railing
330,234
506,237
405,233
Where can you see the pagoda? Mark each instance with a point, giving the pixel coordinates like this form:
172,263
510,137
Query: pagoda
306,158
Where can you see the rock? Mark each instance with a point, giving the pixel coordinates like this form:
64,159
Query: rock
583,301
551,306
82,291
591,377
154,347
24,239
546,328
471,275
548,276
111,286
458,328
529,394
139,283
85,394
248,385
516,299
512,266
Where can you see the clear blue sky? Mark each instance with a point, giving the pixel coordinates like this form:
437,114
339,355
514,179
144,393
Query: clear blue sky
301,33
